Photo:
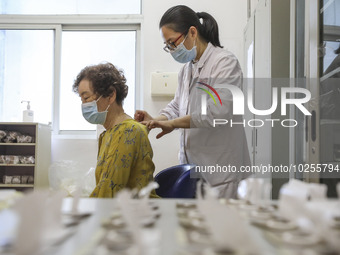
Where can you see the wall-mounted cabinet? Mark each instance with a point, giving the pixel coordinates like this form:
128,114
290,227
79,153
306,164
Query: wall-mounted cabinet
267,52
25,155
321,62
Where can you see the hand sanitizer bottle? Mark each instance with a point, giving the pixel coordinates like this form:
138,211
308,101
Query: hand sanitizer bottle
28,114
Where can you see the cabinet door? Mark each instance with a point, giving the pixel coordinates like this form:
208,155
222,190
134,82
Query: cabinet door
248,82
263,129
262,86
322,50
263,40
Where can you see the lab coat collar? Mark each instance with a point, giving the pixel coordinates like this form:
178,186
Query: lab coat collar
205,55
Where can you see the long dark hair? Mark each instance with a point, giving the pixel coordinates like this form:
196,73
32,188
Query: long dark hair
180,18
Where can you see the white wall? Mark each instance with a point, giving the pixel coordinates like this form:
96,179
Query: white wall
231,16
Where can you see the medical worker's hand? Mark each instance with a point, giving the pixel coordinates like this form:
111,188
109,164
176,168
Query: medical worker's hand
166,126
142,116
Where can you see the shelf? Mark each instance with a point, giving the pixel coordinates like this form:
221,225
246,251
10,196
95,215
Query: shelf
39,148
16,185
17,164
18,144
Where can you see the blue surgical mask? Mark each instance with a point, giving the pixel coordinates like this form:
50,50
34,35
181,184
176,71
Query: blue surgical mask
182,54
91,114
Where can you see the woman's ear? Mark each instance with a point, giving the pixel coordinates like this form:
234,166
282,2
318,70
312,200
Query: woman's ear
112,97
193,32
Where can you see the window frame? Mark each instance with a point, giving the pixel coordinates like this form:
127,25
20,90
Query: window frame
60,23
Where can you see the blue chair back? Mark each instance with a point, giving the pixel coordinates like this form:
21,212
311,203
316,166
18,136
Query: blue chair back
175,182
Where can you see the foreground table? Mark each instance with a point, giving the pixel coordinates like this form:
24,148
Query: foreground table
169,236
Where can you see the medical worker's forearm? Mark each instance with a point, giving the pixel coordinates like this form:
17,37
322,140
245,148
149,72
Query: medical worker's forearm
181,122
161,118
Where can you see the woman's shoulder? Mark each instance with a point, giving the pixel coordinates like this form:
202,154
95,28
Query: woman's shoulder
223,59
223,64
126,130
133,126
221,54
217,57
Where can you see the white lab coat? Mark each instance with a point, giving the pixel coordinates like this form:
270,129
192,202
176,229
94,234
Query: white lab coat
203,144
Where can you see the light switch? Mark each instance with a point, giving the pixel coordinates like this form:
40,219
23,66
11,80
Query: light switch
164,83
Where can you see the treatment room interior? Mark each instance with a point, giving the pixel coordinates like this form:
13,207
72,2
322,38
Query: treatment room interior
292,45
232,19
292,56
285,40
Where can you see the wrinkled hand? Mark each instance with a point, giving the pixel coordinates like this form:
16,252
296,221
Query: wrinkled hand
166,126
142,116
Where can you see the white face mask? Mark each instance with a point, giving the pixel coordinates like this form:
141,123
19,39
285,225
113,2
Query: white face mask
91,114
182,54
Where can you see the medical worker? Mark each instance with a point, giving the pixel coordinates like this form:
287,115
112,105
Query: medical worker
212,137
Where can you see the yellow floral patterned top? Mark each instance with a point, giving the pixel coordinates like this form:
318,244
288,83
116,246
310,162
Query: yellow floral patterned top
124,159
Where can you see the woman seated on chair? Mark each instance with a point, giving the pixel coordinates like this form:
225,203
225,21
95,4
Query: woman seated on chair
124,155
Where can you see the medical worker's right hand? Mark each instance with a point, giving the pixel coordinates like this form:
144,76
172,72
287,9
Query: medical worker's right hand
142,116
167,126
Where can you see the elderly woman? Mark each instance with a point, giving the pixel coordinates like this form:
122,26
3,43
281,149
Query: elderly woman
124,153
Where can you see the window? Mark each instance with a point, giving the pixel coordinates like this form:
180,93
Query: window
44,53
26,73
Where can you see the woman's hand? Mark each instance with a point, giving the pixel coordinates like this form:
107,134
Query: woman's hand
142,116
166,126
